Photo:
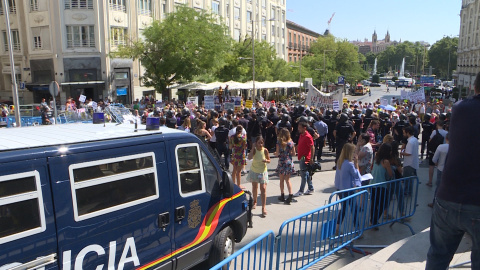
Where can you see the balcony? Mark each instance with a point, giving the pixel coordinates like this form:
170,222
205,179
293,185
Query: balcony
16,47
120,8
145,12
13,10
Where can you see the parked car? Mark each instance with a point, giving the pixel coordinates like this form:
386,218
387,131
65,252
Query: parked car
374,85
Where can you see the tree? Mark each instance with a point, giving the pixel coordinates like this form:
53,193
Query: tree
238,63
376,78
187,43
443,56
331,58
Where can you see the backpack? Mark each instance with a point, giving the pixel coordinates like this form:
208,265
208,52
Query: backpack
435,142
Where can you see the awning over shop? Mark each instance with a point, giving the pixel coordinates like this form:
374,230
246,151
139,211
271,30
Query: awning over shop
37,87
82,83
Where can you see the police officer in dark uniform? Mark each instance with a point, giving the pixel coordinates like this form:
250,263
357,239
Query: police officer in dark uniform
398,129
171,120
284,123
367,119
427,129
221,134
357,124
271,135
344,132
387,125
332,123
412,120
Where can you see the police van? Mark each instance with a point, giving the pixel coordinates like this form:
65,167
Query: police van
84,196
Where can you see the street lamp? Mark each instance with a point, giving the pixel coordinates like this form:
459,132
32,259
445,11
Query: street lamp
253,54
448,68
300,71
324,60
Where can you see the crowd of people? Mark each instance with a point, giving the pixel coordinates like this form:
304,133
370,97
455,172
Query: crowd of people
379,142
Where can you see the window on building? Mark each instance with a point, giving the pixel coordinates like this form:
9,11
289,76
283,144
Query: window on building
283,32
236,13
227,10
12,7
264,37
118,5
118,35
215,7
33,5
289,58
295,59
273,30
80,36
236,34
249,16
264,21
78,4
145,7
15,41
41,38
164,9
264,3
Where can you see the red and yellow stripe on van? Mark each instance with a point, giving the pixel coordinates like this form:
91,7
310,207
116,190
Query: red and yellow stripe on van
209,225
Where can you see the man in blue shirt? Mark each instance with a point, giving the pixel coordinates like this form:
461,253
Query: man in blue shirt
322,130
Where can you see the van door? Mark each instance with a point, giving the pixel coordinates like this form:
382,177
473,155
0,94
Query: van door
113,207
27,222
196,194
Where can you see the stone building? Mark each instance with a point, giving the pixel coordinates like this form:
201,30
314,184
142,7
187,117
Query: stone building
69,41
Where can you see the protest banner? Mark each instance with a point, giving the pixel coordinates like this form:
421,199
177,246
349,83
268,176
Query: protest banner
229,105
238,104
209,102
249,104
318,99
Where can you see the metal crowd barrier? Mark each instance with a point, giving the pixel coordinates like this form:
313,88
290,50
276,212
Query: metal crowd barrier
257,254
308,238
304,240
389,202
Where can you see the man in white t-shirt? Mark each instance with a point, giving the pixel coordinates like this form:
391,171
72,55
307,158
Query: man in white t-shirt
410,157
233,131
439,159
431,164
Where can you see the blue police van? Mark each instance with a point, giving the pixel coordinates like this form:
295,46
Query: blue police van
84,196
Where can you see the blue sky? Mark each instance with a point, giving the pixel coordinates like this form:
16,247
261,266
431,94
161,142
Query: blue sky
412,20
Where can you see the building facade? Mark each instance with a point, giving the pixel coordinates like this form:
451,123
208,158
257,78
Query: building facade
299,41
69,41
468,52
375,46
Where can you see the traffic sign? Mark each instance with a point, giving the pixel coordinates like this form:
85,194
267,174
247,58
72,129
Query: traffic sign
22,85
53,88
341,80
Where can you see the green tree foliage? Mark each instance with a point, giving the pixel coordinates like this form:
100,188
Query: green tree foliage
376,78
331,58
390,60
439,55
186,44
238,63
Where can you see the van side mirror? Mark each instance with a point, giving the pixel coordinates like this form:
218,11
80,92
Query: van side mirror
227,184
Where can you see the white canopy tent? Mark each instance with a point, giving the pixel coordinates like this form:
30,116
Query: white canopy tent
232,85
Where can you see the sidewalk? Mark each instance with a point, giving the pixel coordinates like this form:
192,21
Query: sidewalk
405,252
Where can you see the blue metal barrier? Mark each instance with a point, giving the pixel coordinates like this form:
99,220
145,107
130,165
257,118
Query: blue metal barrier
257,254
389,202
308,238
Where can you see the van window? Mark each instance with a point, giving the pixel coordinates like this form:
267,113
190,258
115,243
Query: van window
210,172
21,211
108,185
190,173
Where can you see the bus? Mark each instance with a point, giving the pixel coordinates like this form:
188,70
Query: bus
361,90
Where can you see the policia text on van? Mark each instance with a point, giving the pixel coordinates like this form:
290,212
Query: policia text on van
92,197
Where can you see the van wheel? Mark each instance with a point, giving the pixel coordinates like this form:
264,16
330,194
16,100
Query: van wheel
223,246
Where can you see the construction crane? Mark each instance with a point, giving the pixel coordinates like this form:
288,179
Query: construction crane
329,21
